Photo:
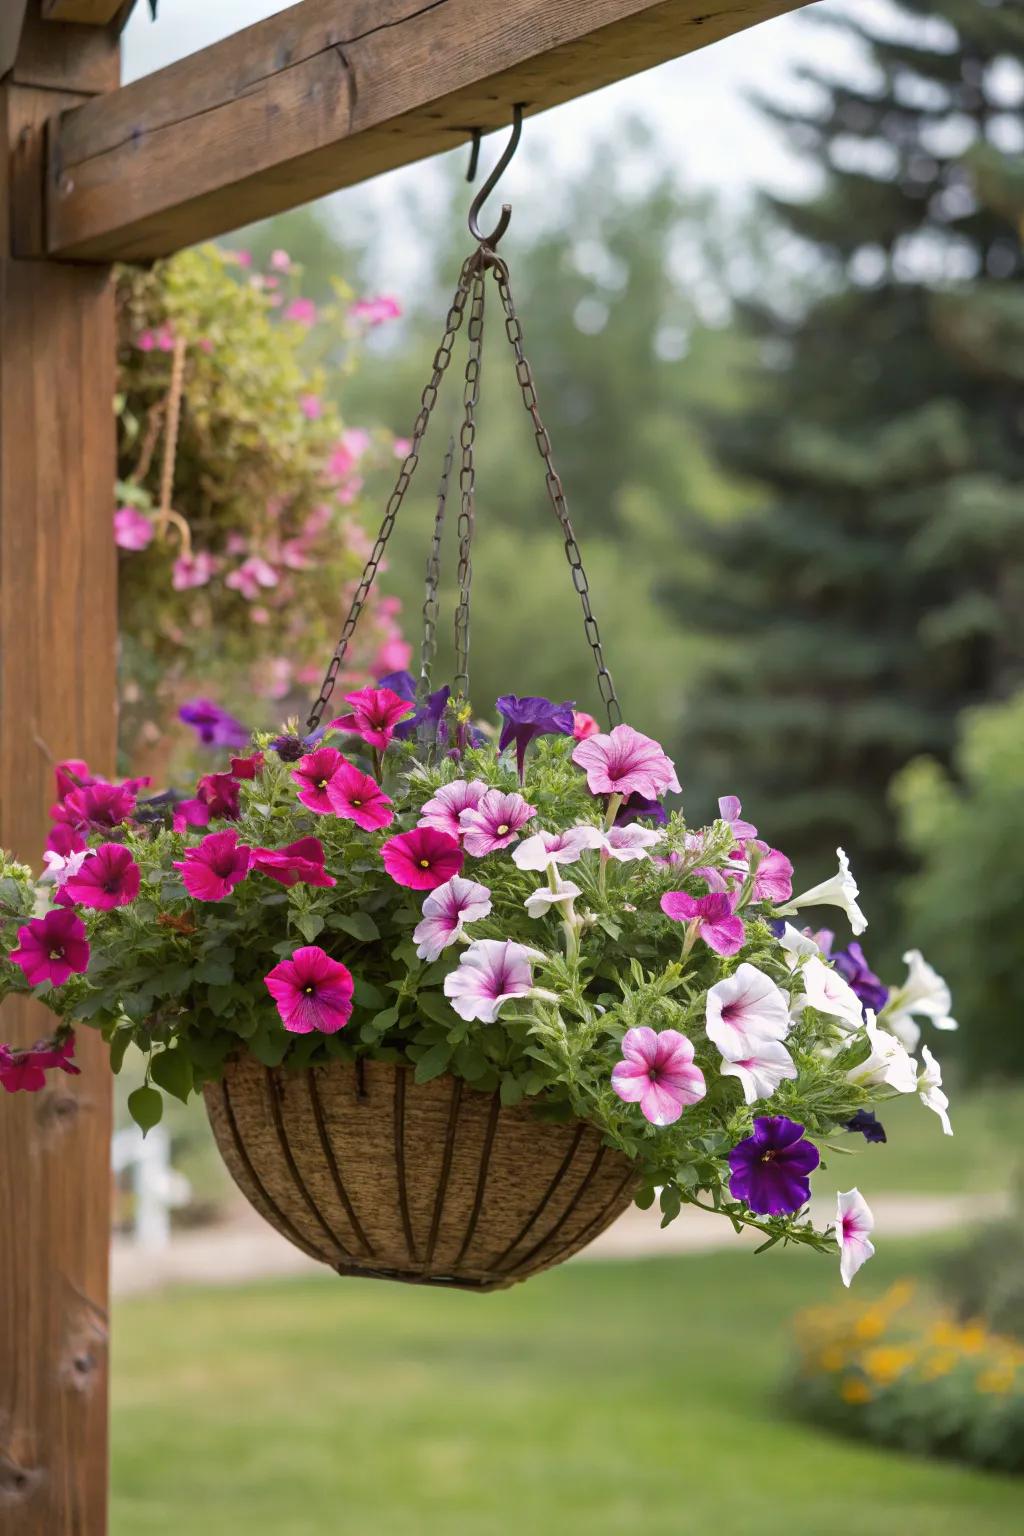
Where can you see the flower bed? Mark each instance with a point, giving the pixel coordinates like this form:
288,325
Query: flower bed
520,914
913,1377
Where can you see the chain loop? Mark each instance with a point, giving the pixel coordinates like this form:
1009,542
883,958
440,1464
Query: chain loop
428,400
428,649
556,493
467,482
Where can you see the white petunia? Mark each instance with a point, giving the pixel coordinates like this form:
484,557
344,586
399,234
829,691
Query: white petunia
545,848
60,868
840,891
798,946
924,994
542,900
854,1222
761,1070
888,1063
828,992
628,843
929,1087
744,1009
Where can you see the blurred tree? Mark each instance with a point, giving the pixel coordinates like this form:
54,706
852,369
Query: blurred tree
880,590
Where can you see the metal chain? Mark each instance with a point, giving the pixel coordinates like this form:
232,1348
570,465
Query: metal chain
428,649
524,375
467,482
442,357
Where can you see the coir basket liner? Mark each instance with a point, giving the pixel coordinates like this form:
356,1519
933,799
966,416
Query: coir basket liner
433,1183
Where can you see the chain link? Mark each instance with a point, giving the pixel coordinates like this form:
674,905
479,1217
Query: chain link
428,400
428,649
556,494
467,482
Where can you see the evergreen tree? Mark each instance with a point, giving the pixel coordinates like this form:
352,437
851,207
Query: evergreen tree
880,591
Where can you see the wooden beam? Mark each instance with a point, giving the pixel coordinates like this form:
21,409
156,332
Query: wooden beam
330,92
94,13
58,618
12,17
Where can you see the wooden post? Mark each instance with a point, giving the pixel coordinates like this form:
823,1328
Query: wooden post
58,622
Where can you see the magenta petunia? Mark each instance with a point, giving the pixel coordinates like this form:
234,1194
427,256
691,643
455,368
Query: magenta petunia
658,1073
312,992
355,796
495,822
773,877
710,918
96,807
110,878
730,810
52,948
444,811
625,763
212,870
312,774
133,530
64,840
25,1071
247,767
73,773
375,713
219,791
584,725
446,911
300,863
190,813
422,859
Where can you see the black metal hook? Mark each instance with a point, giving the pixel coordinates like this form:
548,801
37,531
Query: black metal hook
491,240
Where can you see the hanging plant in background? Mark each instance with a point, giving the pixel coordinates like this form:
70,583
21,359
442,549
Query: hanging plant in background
454,993
238,498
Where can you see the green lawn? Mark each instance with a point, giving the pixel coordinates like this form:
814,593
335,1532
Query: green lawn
602,1399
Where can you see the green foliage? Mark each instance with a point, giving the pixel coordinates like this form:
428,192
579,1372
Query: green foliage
965,830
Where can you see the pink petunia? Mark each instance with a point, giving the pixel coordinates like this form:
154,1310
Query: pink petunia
355,796
626,844
446,911
421,859
729,809
302,312
375,713
190,571
212,870
299,863
658,1072
313,773
219,791
280,261
96,807
191,813
110,878
710,918
495,822
584,725
52,948
491,972
773,877
247,767
132,529
25,1071
311,406
375,311
444,811
65,841
625,763
854,1225
251,577
73,773
312,992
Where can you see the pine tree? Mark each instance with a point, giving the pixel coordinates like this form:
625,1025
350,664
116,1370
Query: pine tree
882,589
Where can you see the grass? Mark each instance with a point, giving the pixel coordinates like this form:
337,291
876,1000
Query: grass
599,1400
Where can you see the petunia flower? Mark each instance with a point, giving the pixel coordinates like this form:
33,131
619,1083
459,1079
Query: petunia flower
444,811
798,946
853,967
546,848
355,796
60,867
299,863
111,878
422,859
247,768
640,808
526,718
867,1124
313,773
214,726
929,1088
888,1062
430,714
375,714
924,995
744,1009
301,312
219,793
542,900
729,810
375,311
495,822
311,406
189,571
710,918
854,1222
658,1072
584,725
312,992
190,813
626,763
96,807
626,844
211,871
771,1169
445,913
840,891
251,577
132,529
760,1068
490,972
24,1071
773,876
829,993
52,948
74,773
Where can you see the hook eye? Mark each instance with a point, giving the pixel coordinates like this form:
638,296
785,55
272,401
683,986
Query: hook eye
491,240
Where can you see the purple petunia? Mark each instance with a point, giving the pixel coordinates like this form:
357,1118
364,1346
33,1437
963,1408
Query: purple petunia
854,968
771,1169
213,725
526,718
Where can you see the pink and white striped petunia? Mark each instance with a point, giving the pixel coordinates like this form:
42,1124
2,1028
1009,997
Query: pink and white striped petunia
445,913
743,1009
760,1068
545,848
854,1223
624,844
490,973
711,918
444,811
625,763
495,822
658,1073
830,993
730,810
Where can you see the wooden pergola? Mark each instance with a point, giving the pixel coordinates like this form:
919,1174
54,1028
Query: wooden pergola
318,97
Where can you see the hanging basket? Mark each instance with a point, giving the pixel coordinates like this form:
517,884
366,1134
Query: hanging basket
434,1183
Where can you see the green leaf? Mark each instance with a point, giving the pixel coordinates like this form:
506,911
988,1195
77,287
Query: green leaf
384,1020
511,1091
365,995
171,981
671,1204
215,973
644,1198
434,1005
172,1071
358,924
119,1044
146,1108
433,1063
309,924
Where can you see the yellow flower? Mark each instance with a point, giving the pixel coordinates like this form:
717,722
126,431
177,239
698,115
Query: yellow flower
940,1364
999,1379
833,1358
886,1362
854,1389
870,1325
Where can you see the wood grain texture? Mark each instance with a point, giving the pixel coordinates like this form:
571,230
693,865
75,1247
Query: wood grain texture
93,13
58,615
330,92
61,56
12,16
433,1184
